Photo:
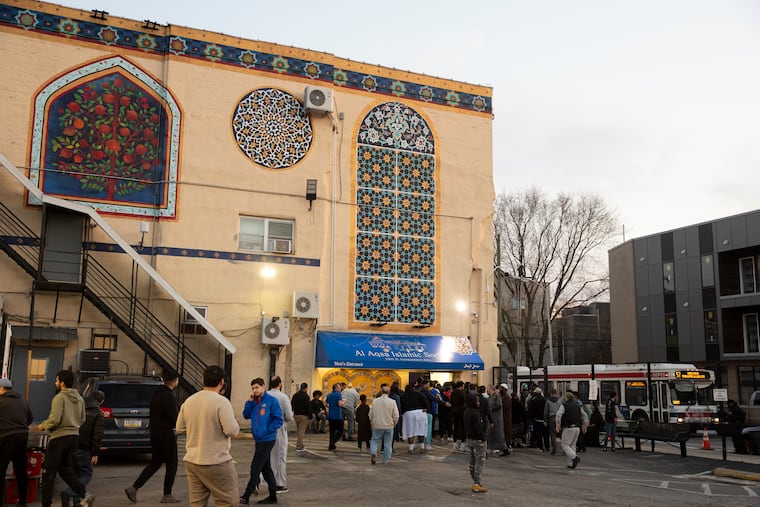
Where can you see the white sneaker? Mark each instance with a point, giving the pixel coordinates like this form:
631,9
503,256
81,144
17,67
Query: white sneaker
428,447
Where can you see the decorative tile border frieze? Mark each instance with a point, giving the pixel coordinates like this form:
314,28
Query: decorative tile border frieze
43,22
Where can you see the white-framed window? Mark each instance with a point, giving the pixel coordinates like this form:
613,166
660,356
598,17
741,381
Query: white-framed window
266,235
747,274
751,333
192,326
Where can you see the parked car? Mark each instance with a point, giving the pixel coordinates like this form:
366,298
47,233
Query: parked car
752,439
126,411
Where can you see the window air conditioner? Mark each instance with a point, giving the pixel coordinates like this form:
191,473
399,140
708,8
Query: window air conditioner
281,245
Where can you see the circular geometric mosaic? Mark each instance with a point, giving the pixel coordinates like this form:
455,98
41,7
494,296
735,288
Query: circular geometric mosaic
272,128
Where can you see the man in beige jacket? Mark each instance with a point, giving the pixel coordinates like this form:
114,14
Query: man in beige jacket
383,416
208,421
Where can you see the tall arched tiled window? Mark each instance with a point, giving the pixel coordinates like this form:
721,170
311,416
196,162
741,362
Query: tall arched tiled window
396,225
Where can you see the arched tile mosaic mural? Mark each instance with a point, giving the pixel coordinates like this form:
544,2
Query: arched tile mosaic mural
395,245
272,128
107,134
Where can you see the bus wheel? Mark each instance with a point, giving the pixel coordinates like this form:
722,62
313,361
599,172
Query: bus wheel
640,417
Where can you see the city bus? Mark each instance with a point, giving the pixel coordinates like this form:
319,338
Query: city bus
659,392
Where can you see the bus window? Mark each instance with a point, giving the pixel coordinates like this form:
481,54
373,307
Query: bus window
563,386
705,393
608,387
653,395
635,392
682,392
583,390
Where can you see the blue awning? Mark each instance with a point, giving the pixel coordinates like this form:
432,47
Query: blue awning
395,352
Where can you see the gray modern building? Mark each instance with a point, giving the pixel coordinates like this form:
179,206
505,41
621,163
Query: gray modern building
691,295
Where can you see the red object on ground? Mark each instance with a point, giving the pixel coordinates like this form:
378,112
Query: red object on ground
11,491
706,440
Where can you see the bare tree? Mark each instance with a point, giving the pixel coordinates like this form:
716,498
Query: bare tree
557,243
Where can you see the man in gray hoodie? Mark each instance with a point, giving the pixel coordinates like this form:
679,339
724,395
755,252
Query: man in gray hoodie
67,414
550,412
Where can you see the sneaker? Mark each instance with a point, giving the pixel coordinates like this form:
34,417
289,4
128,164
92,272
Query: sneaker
576,460
373,459
131,493
170,499
477,488
604,449
282,489
88,500
243,500
269,499
428,447
65,499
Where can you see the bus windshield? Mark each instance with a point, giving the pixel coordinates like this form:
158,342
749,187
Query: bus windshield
682,392
689,392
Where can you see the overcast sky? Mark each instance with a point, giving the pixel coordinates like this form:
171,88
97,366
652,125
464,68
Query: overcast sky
652,104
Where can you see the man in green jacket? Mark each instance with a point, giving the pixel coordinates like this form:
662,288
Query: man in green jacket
66,416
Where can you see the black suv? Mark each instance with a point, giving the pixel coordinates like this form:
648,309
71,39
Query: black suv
126,409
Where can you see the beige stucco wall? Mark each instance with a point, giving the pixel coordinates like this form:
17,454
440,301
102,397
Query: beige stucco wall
218,184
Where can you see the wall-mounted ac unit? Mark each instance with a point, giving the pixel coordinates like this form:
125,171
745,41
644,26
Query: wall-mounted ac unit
190,325
306,305
275,331
318,99
280,245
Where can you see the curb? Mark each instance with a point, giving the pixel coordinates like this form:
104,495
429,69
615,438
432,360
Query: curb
737,474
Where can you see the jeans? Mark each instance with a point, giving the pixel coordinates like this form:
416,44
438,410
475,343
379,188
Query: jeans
429,435
164,446
83,469
611,435
318,423
261,464
13,449
350,417
387,437
477,458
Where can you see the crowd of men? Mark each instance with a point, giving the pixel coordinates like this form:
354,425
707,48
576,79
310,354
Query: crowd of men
479,420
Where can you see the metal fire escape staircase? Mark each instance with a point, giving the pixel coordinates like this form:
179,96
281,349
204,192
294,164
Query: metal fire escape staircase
109,295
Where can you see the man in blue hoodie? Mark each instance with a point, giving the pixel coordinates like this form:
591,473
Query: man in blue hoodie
266,417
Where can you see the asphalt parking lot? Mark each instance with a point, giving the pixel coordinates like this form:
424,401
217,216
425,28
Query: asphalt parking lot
440,477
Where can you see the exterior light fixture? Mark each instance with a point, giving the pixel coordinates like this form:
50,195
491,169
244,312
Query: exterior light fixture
311,191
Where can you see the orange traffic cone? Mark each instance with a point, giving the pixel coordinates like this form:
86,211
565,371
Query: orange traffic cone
706,440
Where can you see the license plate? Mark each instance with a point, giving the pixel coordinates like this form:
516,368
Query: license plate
132,423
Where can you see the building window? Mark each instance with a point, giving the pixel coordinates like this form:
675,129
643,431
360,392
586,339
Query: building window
749,382
751,338
38,369
708,276
394,265
671,331
266,235
711,327
192,326
747,274
103,341
668,277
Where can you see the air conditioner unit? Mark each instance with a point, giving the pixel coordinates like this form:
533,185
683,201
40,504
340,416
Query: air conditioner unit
191,326
318,99
280,245
275,331
306,305
95,361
